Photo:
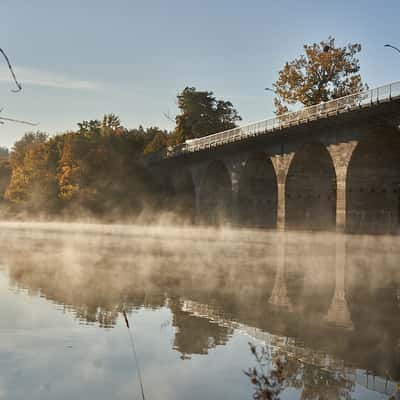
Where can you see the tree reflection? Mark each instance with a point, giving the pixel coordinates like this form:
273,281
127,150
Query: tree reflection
275,371
195,335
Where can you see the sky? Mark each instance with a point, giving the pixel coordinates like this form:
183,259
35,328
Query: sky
81,59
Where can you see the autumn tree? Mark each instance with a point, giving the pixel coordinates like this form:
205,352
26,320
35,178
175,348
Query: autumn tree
34,162
69,169
159,141
101,170
324,72
5,171
5,176
202,114
96,170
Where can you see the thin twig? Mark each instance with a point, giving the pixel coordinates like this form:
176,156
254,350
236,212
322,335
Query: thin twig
18,121
134,353
12,72
393,47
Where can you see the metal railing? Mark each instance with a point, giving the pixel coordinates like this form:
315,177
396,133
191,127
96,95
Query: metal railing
325,109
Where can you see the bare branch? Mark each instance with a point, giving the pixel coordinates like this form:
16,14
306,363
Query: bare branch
18,121
168,117
12,72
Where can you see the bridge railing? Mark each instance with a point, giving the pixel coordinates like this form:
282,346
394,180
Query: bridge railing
304,115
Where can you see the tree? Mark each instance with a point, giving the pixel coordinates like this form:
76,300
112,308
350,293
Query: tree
5,176
202,114
323,73
111,121
98,170
21,146
33,163
4,153
86,127
69,171
159,142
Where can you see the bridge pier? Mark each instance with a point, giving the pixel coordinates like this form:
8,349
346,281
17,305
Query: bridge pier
235,166
198,171
281,163
341,154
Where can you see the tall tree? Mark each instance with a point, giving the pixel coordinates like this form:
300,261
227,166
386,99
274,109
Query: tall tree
202,114
324,72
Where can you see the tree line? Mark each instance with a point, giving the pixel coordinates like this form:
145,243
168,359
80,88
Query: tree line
99,169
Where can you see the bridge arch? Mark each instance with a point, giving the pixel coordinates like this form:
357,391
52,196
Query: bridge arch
184,195
373,184
310,195
215,204
258,194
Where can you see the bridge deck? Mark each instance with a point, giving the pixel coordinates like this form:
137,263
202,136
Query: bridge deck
368,99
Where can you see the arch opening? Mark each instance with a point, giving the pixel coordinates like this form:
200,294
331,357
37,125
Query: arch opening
310,196
258,194
184,201
373,185
215,205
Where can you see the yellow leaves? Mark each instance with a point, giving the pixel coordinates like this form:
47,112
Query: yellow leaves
324,72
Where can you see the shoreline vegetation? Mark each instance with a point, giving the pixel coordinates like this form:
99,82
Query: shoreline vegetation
98,172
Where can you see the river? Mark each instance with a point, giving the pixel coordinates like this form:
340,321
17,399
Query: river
327,305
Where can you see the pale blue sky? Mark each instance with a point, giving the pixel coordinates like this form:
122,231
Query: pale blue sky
80,59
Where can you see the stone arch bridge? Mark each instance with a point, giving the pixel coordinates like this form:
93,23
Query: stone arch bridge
335,165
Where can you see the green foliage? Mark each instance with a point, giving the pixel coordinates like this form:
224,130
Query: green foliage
111,121
324,72
202,114
92,126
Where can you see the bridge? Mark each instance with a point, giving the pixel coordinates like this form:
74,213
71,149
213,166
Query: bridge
335,165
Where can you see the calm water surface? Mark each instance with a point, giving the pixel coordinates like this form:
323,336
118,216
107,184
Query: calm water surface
329,305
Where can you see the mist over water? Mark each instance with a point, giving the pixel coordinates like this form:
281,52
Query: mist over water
195,297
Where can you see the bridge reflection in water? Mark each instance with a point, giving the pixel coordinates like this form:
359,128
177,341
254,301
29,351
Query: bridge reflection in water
329,302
